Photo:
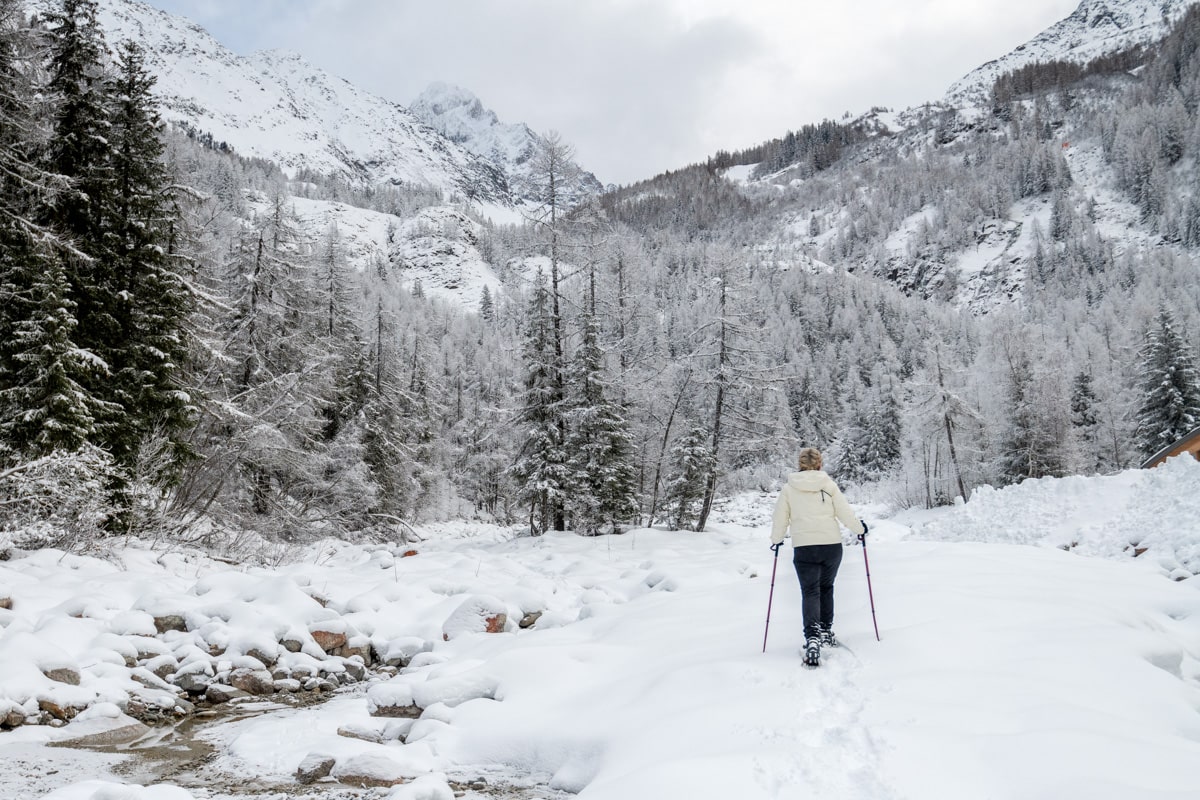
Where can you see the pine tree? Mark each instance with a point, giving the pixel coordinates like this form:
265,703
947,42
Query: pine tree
541,472
694,465
46,406
152,301
1170,387
599,445
1085,422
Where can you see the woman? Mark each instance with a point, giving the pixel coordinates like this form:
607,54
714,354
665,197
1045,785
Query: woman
811,504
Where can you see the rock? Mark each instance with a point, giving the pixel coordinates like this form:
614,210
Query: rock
252,681
170,622
121,733
192,682
312,684
529,619
6,603
287,685
63,675
314,767
60,713
15,718
183,708
363,651
326,686
329,640
267,658
408,554
223,693
367,771
356,670
280,674
361,732
411,711
291,644
162,666
477,614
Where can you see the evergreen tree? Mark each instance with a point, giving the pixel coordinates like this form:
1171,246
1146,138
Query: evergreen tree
694,464
1170,387
599,445
46,406
151,300
541,472
1085,422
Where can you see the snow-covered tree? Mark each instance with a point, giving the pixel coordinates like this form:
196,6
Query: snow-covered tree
1170,387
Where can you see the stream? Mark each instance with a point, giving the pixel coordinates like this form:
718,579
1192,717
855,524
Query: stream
186,754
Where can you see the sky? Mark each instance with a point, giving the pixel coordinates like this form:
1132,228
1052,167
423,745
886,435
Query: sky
641,86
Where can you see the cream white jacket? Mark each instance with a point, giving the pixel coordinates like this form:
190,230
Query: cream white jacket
811,505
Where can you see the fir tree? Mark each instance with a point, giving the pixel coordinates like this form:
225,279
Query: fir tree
1085,422
599,445
541,472
694,465
1170,406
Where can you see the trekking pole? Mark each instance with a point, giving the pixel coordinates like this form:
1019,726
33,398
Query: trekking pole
862,537
771,596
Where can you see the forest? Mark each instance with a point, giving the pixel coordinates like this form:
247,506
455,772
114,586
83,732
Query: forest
182,358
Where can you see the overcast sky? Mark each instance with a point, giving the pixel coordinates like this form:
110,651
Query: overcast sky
640,86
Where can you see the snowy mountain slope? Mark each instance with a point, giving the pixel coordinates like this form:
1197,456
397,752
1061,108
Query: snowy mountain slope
436,248
1095,28
461,117
1003,670
277,106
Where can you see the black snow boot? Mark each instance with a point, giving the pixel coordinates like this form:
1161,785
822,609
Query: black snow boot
827,637
812,652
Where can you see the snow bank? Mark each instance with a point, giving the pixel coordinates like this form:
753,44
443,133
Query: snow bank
1151,514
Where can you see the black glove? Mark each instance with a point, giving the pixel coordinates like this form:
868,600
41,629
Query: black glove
862,537
775,547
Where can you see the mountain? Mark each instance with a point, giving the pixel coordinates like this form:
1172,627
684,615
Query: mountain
1096,28
277,106
461,117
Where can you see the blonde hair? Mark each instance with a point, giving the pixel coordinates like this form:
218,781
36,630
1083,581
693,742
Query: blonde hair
810,458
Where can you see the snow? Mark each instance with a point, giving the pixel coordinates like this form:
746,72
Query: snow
1094,29
277,106
1008,666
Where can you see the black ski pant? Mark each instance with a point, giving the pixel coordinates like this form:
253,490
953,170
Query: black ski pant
817,567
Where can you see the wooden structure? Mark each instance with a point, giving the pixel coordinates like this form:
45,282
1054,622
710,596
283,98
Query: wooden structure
1188,444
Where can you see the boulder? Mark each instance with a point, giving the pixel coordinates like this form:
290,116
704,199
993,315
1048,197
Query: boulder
170,622
287,685
292,644
529,620
63,713
15,718
314,767
252,681
267,658
6,603
119,731
477,614
192,682
368,771
63,675
223,693
328,640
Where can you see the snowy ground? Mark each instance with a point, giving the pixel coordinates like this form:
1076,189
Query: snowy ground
1008,667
